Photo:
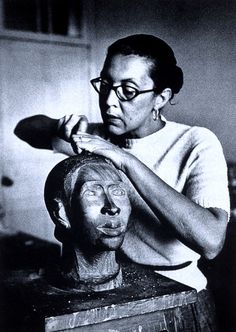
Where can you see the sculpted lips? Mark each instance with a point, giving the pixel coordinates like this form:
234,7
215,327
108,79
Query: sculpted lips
111,231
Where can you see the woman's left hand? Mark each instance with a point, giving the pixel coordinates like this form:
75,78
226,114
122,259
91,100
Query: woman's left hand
100,146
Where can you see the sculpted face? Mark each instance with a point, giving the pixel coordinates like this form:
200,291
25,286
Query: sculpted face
101,208
88,202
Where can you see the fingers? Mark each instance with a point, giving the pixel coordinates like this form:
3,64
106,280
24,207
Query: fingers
83,124
80,136
97,145
78,144
84,141
71,124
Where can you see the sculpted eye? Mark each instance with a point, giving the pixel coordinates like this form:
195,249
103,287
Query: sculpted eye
118,192
90,193
95,190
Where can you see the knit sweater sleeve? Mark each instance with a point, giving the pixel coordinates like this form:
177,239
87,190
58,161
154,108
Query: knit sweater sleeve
207,182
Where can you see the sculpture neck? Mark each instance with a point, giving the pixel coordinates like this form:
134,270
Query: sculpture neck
97,271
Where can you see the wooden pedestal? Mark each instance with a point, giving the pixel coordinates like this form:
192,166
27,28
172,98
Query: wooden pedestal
146,302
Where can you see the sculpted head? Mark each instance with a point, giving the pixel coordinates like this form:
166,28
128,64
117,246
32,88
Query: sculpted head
88,202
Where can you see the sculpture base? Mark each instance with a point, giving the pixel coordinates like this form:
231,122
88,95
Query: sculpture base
145,298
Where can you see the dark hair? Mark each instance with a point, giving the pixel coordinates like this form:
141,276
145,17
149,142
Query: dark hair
164,72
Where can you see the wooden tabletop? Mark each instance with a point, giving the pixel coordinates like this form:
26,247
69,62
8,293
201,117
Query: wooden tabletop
27,299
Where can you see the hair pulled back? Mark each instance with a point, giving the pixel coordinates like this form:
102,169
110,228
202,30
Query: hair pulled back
164,71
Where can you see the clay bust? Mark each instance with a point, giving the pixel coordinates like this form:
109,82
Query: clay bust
89,204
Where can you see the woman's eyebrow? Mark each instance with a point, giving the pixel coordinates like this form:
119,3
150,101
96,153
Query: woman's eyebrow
130,80
123,81
108,77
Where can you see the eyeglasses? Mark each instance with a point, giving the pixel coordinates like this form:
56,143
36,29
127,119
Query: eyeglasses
124,92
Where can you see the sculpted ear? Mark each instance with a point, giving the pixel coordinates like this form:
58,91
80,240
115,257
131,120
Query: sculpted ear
58,214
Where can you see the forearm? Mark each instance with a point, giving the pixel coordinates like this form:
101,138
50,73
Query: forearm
199,228
37,130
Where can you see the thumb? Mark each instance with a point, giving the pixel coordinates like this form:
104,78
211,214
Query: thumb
83,124
80,126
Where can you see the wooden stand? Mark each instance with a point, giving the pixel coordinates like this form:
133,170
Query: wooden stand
145,302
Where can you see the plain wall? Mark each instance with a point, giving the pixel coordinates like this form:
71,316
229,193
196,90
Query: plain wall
203,36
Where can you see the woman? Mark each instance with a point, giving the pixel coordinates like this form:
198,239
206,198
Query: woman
181,198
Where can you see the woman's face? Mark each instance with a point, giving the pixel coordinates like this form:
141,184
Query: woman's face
134,117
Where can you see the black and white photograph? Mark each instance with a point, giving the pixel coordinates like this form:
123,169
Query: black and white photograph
118,166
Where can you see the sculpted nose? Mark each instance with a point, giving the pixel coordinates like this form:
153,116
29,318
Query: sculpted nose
110,207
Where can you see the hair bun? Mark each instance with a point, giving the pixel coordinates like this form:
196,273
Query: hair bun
170,76
177,79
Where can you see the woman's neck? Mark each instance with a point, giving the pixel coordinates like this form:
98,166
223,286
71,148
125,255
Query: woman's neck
152,128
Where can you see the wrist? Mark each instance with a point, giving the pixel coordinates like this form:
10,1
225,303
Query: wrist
128,162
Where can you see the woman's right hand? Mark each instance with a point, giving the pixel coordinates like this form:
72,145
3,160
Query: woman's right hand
70,125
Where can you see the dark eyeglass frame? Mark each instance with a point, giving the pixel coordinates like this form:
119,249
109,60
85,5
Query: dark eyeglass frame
114,88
